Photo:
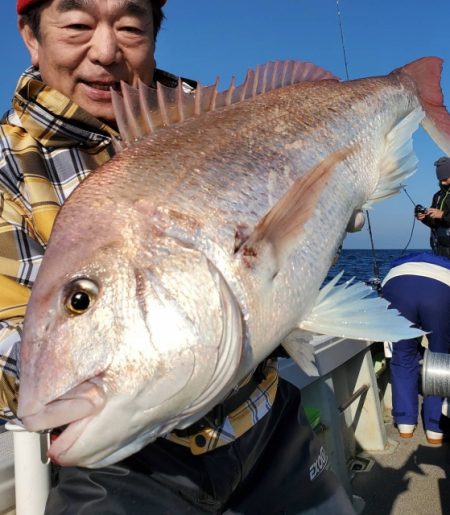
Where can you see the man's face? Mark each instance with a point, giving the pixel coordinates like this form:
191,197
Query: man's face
88,46
445,182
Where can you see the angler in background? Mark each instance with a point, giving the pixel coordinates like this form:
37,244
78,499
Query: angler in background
418,285
255,453
437,217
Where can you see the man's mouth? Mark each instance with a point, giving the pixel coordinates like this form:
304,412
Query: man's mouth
103,86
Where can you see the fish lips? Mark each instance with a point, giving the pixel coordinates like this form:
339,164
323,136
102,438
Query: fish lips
62,444
78,404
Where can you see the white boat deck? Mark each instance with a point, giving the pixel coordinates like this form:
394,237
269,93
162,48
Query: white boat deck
411,477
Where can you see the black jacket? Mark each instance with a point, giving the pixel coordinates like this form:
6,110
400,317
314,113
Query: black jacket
440,227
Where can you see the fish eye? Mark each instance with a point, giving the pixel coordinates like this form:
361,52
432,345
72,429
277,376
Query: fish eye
80,295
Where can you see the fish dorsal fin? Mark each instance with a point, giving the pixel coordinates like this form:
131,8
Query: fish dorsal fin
398,161
143,110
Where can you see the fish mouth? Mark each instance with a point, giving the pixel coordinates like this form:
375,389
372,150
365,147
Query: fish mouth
75,407
63,439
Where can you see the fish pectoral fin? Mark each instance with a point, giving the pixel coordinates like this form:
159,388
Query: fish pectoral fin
281,227
350,310
298,345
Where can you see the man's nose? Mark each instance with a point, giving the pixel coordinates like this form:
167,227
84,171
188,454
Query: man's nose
104,48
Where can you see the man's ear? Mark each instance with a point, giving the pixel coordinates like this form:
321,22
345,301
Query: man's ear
30,41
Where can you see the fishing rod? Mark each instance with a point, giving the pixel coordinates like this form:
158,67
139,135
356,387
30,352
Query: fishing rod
414,219
374,282
341,29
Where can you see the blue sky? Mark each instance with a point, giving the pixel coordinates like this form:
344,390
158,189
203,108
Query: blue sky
202,39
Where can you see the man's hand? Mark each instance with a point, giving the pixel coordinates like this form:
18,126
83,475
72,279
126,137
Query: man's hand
433,212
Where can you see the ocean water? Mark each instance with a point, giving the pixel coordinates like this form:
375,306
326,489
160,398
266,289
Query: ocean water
365,264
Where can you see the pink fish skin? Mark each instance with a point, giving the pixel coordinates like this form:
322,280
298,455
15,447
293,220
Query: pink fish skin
185,260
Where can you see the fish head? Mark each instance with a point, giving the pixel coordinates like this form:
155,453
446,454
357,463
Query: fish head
125,346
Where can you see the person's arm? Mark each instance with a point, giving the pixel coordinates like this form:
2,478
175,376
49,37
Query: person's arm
428,219
446,211
432,218
446,218
20,257
439,216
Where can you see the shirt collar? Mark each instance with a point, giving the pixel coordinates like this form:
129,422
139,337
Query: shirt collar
52,118
55,121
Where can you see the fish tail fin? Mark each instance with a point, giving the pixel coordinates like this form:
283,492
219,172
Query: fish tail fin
426,73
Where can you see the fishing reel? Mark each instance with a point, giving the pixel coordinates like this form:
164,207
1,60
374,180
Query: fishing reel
436,374
375,284
420,210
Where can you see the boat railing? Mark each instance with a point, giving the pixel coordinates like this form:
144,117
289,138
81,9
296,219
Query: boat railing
31,470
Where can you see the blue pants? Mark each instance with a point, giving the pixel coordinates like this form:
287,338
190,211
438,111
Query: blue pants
426,303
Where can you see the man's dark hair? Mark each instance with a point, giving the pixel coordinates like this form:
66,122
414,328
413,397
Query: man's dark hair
32,18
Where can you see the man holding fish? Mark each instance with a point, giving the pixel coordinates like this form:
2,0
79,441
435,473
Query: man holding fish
251,453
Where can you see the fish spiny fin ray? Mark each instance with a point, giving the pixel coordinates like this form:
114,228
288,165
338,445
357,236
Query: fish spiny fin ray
398,161
350,310
280,228
143,110
426,73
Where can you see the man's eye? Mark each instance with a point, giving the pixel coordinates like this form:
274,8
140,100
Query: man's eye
131,30
78,27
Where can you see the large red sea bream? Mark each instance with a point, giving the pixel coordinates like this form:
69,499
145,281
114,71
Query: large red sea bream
183,262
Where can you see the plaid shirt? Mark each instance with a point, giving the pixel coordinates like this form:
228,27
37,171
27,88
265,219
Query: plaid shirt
49,145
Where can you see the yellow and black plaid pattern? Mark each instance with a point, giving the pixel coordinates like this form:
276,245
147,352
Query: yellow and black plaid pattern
238,421
48,146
